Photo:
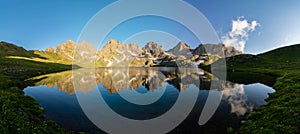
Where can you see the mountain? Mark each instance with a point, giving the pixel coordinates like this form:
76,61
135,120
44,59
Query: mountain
117,54
63,53
70,52
216,49
66,50
181,49
153,50
231,51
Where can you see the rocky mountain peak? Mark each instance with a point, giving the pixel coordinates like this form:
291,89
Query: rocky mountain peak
49,49
69,44
154,49
231,51
183,45
116,53
181,49
113,42
216,49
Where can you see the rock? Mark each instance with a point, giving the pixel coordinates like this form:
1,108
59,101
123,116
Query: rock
154,49
116,53
216,49
49,49
181,49
66,50
231,51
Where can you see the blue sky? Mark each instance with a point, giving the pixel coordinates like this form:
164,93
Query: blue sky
36,24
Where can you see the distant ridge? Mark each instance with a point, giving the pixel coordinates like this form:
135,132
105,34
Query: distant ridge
14,50
287,53
115,53
287,58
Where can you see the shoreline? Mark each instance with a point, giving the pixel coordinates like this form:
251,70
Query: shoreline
254,123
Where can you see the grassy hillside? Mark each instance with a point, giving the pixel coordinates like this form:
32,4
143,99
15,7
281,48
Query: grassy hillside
8,49
286,58
19,113
282,114
19,63
284,54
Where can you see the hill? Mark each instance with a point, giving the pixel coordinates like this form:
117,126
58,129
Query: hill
8,49
281,115
284,54
285,58
16,65
20,63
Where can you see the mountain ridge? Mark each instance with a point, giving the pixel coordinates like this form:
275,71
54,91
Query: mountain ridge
116,53
287,57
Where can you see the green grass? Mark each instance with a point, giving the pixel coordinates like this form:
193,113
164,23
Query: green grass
7,49
284,54
282,114
22,68
19,113
22,114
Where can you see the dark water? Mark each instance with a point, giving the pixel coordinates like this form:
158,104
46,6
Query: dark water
86,98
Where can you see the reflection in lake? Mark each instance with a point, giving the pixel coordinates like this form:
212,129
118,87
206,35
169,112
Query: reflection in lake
236,97
56,93
117,79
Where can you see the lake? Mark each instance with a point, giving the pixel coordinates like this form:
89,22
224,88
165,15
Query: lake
169,99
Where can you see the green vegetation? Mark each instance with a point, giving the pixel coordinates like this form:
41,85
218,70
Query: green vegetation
19,113
22,114
22,68
282,114
52,57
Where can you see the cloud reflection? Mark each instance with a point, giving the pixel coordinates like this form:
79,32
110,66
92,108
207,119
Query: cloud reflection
235,95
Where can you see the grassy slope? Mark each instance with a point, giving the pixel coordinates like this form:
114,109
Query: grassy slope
21,114
282,114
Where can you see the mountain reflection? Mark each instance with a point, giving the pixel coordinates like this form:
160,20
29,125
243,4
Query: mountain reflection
117,79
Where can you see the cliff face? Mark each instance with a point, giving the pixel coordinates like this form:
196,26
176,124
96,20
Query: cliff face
216,49
66,50
181,49
154,49
115,53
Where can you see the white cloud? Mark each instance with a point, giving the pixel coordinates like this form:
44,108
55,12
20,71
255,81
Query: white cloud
238,35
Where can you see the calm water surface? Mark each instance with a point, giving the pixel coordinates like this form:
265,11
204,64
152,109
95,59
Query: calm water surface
142,94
